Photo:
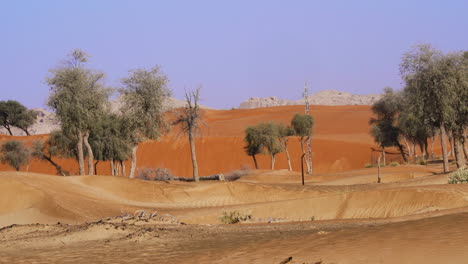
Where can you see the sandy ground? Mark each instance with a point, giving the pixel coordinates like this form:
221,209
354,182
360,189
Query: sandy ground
341,215
412,217
341,142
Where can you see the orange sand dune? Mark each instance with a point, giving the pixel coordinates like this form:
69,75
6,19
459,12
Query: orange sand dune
341,142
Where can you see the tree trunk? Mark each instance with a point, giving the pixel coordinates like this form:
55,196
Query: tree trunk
426,148
79,145
464,145
288,157
95,167
432,145
302,168
402,151
443,142
193,155
384,157
459,155
378,169
407,146
134,161
272,161
26,131
450,139
90,154
57,167
8,129
304,154
112,167
255,161
309,156
124,170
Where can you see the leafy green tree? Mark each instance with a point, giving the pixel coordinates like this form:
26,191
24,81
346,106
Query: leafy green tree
45,150
14,114
303,125
284,132
15,153
268,134
189,120
143,94
78,97
253,145
384,127
110,141
436,84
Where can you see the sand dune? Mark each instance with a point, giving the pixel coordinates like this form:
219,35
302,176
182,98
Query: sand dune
341,142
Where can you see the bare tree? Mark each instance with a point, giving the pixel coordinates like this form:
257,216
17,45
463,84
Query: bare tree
189,120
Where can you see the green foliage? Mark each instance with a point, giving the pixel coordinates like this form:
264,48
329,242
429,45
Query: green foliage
143,94
302,125
233,217
368,165
459,176
110,138
15,153
268,134
14,114
252,140
78,95
394,164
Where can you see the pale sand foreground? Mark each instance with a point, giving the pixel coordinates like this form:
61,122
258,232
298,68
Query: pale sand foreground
413,217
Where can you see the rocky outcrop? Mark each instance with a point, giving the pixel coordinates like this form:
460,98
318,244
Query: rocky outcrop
47,122
327,97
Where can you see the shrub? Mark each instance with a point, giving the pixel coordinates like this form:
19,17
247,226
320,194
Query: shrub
15,153
368,165
160,174
459,176
233,217
422,162
394,164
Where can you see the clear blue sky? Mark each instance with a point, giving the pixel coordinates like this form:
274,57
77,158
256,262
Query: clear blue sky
235,49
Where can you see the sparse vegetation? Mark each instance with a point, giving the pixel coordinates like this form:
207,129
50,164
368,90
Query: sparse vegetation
459,176
394,164
15,153
233,217
367,165
189,120
142,94
14,114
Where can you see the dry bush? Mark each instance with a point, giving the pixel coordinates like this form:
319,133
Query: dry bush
394,164
235,175
160,174
233,217
459,176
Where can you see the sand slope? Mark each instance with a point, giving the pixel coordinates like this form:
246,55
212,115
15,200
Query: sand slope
341,142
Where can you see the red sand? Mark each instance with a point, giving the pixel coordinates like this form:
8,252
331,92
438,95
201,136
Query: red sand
341,141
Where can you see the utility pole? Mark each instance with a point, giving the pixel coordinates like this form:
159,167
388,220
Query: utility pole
309,141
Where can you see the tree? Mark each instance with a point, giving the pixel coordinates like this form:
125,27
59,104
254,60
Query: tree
45,151
253,145
14,114
110,141
429,86
189,120
268,135
384,127
15,153
284,133
142,94
78,97
303,125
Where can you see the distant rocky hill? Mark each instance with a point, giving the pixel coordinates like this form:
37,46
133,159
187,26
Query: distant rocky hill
327,97
46,121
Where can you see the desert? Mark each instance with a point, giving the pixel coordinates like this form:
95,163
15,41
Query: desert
284,132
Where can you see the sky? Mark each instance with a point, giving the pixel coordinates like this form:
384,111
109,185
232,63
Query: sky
233,49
